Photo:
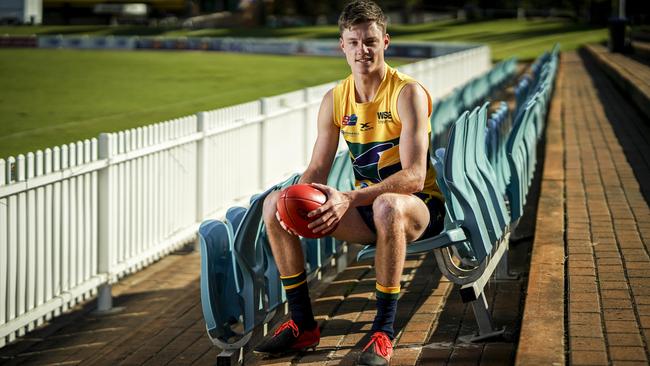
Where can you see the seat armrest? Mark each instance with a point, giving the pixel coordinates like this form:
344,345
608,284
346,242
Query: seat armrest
444,239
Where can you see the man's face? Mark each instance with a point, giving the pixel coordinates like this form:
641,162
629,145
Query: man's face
364,45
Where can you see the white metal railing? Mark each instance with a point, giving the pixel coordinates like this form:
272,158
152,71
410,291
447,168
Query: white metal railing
80,216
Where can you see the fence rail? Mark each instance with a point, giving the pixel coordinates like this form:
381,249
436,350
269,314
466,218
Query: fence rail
78,217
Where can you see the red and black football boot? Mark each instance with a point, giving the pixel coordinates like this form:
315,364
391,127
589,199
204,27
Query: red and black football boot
288,338
377,352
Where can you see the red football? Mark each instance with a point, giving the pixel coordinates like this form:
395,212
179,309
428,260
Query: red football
295,203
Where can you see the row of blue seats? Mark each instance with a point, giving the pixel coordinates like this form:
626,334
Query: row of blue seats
498,128
527,129
477,90
240,283
474,92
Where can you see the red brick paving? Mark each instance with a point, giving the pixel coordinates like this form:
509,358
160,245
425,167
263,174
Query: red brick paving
604,205
542,335
162,322
604,142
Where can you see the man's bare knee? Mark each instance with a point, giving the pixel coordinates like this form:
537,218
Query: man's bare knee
270,207
395,214
388,211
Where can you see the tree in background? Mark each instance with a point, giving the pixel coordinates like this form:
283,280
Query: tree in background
590,11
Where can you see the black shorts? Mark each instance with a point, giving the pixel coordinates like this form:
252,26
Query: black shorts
436,218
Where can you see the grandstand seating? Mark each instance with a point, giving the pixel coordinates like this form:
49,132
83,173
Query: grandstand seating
484,172
447,110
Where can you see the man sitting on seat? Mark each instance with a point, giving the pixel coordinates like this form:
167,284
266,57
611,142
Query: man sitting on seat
383,116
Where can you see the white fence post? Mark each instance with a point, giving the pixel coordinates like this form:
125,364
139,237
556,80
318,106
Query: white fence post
30,268
49,199
22,243
264,106
4,266
106,224
200,167
305,128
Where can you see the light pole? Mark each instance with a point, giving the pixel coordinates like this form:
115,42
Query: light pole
621,9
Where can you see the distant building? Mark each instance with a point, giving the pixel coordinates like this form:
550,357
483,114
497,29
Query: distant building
21,11
127,11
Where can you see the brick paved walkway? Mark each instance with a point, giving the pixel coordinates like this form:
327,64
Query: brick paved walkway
607,163
602,143
541,341
161,324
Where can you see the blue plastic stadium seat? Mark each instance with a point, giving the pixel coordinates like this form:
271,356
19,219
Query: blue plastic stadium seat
487,173
234,216
460,187
219,280
250,259
237,264
476,180
272,283
452,206
520,155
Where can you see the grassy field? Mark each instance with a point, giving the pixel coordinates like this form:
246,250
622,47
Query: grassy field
50,97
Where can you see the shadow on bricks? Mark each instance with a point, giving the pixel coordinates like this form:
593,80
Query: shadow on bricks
630,128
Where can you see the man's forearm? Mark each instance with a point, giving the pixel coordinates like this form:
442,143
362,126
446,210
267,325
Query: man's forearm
313,176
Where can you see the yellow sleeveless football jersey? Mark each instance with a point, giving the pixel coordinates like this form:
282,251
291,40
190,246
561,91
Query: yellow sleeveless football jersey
372,131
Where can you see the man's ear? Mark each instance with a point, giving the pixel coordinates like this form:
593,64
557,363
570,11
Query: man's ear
341,43
386,40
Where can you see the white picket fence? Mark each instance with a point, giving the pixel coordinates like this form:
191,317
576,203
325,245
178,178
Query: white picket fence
76,218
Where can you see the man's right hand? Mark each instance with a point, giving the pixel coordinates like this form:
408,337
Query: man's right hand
327,217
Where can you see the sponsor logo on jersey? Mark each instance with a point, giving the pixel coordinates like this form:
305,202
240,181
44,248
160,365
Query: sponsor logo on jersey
349,120
366,126
385,117
349,133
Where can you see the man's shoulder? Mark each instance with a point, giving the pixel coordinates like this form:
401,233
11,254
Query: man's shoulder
400,76
409,90
402,82
413,95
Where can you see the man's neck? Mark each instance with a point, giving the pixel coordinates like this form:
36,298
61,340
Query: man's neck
367,85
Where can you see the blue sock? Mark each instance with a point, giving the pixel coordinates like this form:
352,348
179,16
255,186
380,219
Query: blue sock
299,302
386,309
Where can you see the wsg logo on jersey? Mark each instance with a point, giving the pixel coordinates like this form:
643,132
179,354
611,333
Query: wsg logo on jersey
384,115
349,120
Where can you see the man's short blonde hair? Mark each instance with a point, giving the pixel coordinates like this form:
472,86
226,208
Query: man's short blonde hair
360,11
